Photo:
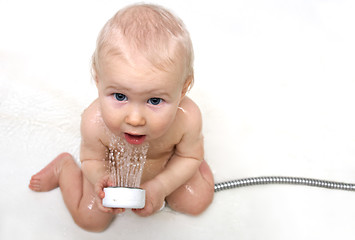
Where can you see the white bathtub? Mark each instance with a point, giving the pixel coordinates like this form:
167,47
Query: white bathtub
275,81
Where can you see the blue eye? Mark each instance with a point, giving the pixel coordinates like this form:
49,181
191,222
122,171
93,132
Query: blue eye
120,97
155,101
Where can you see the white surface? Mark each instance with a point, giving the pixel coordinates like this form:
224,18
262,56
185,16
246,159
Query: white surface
275,81
120,197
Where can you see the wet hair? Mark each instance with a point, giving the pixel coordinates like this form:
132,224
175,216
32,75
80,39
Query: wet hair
150,31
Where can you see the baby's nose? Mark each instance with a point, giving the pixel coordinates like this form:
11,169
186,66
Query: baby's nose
135,118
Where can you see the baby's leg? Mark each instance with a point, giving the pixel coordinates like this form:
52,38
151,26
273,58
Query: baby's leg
196,195
78,193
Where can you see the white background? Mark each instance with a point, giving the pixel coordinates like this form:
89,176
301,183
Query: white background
275,81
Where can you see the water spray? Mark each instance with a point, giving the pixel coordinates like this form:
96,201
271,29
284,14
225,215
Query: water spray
125,164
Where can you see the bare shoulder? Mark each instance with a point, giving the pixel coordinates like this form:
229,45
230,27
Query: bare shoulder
92,134
190,115
190,121
90,119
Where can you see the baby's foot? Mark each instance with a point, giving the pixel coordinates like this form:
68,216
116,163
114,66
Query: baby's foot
48,178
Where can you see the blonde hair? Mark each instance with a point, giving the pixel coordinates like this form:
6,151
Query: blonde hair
151,31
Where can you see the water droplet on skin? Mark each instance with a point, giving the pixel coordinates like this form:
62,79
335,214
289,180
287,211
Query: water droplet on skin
189,189
92,202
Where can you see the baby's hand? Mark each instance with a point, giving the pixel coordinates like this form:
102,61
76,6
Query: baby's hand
99,190
154,199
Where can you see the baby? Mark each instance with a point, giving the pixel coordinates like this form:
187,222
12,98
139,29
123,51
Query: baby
143,67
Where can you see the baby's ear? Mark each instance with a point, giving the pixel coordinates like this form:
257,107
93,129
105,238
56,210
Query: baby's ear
96,80
94,76
187,85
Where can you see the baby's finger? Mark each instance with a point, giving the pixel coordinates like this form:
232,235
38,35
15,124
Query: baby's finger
118,210
100,185
144,212
99,192
102,208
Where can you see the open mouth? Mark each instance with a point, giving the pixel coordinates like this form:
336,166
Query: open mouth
134,139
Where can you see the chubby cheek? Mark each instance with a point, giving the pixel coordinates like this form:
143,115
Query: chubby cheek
112,122
160,125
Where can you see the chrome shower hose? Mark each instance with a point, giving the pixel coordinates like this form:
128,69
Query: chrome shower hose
283,180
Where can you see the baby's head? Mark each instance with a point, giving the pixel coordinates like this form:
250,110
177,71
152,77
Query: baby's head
142,66
146,32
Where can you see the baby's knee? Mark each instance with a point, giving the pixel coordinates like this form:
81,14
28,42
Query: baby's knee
92,225
206,191
64,155
92,221
193,201
202,203
206,174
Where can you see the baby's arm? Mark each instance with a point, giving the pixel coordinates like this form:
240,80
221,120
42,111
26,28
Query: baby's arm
93,156
189,152
93,167
183,165
92,150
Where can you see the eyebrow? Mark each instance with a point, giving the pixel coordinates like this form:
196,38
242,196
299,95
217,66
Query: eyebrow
159,93
111,87
156,92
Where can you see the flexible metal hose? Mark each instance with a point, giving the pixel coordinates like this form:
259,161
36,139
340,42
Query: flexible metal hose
283,180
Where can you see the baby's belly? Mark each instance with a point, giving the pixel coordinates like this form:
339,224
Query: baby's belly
152,168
